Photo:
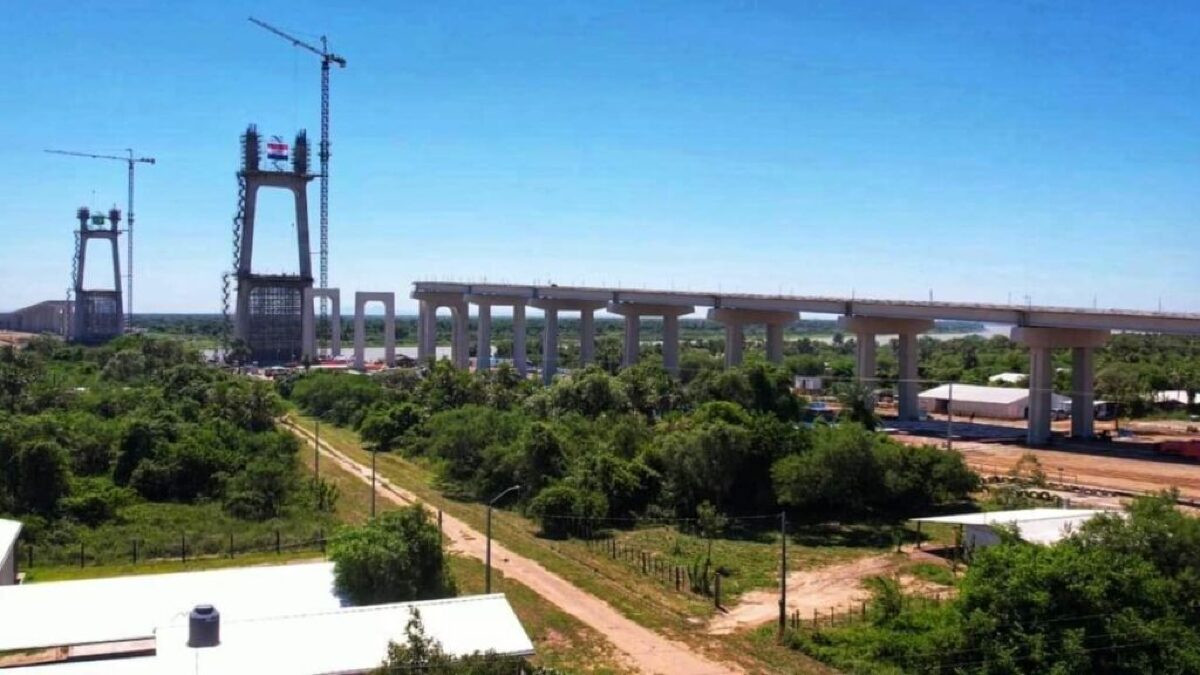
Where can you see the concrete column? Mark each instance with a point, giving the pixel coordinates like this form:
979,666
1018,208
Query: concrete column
389,332
550,346
360,335
483,345
670,343
431,332
1041,381
335,321
735,343
775,342
460,340
909,388
587,337
423,311
1082,394
308,328
864,359
518,326
633,340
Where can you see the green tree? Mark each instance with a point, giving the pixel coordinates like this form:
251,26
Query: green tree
39,476
393,558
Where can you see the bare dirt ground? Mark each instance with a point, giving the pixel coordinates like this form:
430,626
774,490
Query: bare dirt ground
645,650
1088,470
10,338
839,587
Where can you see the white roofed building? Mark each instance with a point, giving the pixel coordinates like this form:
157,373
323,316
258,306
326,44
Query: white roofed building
1036,526
995,402
1008,378
10,531
283,619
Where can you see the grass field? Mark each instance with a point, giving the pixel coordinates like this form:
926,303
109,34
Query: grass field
645,599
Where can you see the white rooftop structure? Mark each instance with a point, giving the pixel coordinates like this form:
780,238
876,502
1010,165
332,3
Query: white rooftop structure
9,531
1009,378
1038,526
1171,396
346,640
127,608
974,399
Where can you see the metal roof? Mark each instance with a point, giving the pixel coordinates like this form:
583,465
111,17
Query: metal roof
977,393
346,640
125,608
1040,526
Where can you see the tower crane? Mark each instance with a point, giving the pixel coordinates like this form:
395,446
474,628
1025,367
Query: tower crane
130,160
327,57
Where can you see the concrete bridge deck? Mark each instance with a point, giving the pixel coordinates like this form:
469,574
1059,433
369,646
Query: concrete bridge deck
1015,315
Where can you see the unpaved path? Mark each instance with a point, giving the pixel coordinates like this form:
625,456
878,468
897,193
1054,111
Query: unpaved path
837,585
644,649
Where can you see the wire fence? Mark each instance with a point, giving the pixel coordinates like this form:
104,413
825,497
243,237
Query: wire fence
182,548
845,613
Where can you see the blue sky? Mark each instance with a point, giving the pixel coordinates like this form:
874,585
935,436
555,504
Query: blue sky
980,150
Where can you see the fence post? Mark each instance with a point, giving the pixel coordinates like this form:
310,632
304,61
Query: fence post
29,548
678,578
277,550
81,554
321,533
183,547
135,543
717,590
441,535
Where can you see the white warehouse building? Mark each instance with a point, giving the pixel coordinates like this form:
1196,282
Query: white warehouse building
995,402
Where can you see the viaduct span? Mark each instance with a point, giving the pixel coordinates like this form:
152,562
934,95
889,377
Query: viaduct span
1042,329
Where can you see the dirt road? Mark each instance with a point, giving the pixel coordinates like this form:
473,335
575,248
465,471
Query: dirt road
644,649
808,590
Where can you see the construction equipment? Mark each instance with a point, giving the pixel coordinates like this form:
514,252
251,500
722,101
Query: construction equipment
130,160
327,58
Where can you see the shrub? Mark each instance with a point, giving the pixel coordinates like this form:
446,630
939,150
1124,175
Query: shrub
393,558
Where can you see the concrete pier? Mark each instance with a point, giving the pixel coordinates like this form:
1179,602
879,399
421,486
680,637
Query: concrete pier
361,299
1042,342
460,339
735,320
633,313
308,319
587,338
483,343
866,330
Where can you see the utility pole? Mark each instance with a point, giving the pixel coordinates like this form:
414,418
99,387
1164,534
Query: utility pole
782,573
130,161
327,58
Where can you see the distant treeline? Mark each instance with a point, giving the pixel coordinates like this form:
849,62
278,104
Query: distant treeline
211,325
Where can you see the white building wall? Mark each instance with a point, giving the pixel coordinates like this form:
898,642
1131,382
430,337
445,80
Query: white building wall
8,567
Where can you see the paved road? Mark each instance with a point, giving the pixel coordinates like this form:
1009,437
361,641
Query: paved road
643,649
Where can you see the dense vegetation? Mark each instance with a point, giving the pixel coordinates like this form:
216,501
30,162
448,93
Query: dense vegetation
396,557
1119,596
595,445
88,436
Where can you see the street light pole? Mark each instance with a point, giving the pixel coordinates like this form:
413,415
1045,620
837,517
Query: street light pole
487,583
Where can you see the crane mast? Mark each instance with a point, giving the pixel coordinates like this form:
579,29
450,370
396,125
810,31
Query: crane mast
327,58
130,160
